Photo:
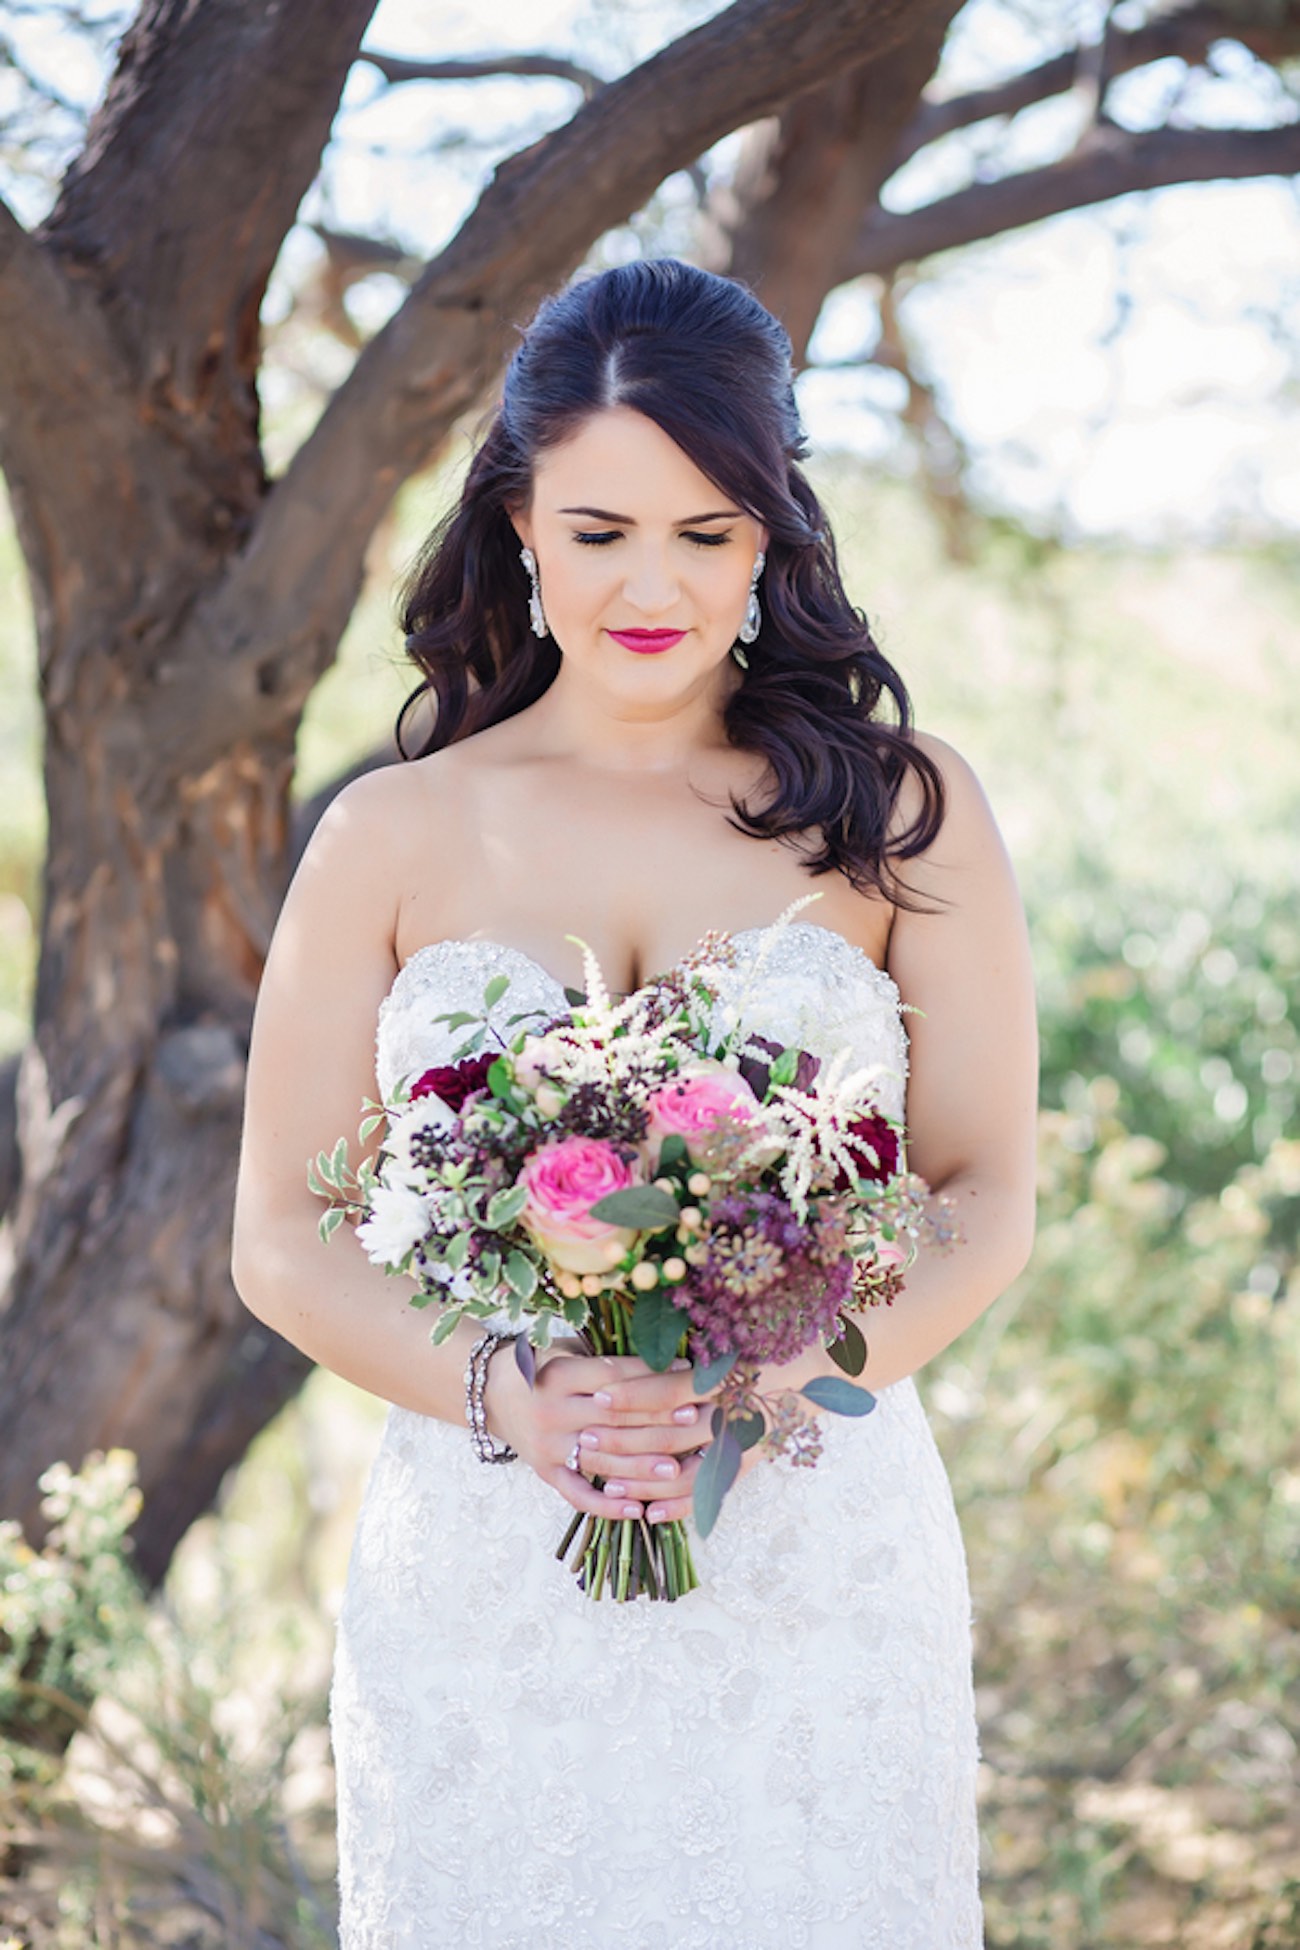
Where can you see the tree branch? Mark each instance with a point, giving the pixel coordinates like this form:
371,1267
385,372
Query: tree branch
395,69
209,134
542,211
1111,162
1186,34
61,381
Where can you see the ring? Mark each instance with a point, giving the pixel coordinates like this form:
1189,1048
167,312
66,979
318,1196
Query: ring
576,1457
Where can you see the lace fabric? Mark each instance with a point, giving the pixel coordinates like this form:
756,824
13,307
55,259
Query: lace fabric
785,1757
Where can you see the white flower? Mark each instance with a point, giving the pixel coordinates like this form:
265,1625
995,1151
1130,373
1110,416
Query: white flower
398,1219
426,1114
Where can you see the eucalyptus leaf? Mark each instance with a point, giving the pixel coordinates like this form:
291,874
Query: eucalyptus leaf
643,1206
840,1397
657,1328
494,991
718,1471
748,1429
850,1350
709,1376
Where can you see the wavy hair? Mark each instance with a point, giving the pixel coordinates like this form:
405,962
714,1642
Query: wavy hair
702,358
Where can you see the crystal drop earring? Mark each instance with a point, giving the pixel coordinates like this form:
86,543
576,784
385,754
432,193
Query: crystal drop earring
536,614
753,614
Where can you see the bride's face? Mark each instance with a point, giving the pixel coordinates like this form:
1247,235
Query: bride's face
644,563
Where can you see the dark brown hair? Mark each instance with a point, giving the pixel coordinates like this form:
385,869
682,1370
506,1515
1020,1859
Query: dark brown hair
702,358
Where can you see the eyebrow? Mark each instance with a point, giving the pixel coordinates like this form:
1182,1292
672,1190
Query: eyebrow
626,521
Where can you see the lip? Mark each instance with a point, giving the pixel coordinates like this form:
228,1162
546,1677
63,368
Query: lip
647,643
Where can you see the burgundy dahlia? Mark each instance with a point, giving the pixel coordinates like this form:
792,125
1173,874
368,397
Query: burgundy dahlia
454,1082
867,1135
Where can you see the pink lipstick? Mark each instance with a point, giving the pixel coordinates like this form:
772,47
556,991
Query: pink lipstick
647,643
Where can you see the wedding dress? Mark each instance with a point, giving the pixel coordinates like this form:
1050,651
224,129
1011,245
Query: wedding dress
784,1757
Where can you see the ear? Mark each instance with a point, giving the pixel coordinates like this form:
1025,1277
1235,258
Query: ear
522,525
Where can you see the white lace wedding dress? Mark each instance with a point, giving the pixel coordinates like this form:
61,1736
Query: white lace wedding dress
786,1757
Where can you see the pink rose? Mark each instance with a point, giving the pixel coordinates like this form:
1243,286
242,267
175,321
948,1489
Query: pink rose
564,1179
695,1102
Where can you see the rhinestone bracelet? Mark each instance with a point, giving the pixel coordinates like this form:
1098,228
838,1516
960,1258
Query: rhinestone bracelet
486,1445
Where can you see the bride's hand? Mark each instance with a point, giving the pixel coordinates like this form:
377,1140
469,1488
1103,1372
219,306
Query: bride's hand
639,1440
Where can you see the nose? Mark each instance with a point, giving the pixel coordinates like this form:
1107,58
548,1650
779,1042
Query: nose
651,584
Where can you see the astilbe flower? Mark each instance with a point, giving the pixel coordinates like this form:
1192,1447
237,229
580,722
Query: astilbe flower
769,1283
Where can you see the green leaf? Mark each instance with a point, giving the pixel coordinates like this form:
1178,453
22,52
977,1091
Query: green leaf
672,1151
575,997
369,1125
718,1471
850,1351
445,1326
521,1275
339,1161
489,1271
494,991
643,1206
314,1183
457,1018
470,1047
458,1252
749,1429
785,1069
422,1300
575,1310
657,1328
708,1377
498,1080
503,1208
330,1222
325,1171
840,1397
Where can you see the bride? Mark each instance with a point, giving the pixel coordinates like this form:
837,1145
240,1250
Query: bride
656,714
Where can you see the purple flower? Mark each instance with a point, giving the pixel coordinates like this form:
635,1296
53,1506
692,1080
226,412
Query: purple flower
768,1285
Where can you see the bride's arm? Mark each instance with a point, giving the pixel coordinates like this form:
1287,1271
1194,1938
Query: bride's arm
311,1063
973,1086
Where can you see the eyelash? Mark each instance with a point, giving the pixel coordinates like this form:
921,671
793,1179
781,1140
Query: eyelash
605,537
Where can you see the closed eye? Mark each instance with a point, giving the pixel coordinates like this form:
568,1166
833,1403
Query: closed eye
592,538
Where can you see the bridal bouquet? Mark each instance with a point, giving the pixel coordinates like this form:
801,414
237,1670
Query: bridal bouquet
625,1173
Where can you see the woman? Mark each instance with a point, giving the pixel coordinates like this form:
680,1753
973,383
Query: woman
656,715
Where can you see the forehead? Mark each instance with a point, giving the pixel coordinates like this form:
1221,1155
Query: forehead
620,459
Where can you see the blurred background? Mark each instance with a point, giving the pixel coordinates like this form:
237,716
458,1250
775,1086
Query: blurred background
1059,454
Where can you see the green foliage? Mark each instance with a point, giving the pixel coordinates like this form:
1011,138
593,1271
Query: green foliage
200,1827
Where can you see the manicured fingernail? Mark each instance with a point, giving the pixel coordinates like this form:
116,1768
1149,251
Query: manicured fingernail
686,1413
665,1469
616,1489
603,1396
589,1439
631,1509
679,1366
656,1513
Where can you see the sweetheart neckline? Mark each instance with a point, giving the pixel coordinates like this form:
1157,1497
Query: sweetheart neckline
872,966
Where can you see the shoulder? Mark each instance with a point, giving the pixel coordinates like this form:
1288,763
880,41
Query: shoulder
966,813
